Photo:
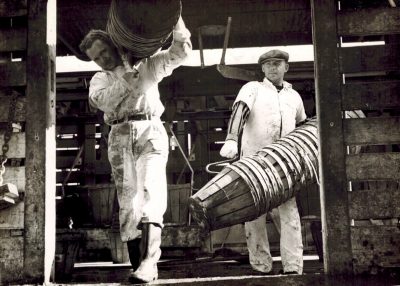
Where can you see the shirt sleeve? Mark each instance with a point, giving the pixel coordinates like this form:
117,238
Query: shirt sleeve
247,94
106,95
300,113
164,62
239,116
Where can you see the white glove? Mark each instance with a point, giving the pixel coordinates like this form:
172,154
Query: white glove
230,149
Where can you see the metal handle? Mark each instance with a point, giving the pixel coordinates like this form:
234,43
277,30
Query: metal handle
220,163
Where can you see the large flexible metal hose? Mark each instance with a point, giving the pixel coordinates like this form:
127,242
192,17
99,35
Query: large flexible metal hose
138,38
256,184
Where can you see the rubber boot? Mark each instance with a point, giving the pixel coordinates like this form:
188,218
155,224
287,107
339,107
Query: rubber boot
151,253
134,252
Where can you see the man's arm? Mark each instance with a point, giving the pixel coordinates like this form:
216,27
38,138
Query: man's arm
163,63
238,118
301,116
105,95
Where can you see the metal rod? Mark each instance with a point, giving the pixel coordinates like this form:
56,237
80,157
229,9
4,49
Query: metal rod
226,39
201,48
187,163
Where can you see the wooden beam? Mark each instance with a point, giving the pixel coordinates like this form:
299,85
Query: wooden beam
375,246
375,203
13,8
183,236
11,248
13,39
371,95
365,131
39,220
89,155
16,176
334,200
365,22
19,115
17,145
13,74
369,58
13,217
373,166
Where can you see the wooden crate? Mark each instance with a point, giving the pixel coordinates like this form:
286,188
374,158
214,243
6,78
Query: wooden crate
119,249
100,199
177,208
68,243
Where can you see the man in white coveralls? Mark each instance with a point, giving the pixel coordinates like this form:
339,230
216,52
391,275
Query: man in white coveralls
262,113
138,143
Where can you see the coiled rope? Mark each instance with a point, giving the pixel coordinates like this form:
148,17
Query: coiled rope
126,40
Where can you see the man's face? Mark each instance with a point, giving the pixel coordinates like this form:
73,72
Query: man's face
275,70
103,55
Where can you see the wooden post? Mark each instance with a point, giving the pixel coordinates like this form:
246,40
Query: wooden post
334,199
39,237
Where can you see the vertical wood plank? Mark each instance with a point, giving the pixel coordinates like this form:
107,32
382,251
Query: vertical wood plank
39,219
89,154
334,201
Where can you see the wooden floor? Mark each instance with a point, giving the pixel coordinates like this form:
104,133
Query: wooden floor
215,271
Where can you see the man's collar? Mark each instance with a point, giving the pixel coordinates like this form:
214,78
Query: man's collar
285,84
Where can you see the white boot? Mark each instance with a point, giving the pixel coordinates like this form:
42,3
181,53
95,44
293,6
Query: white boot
151,253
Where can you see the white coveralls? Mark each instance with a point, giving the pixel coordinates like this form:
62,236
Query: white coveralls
272,115
138,150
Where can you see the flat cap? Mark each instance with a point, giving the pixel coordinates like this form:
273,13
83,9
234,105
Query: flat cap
273,55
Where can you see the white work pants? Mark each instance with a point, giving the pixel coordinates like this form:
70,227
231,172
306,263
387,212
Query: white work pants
286,218
138,153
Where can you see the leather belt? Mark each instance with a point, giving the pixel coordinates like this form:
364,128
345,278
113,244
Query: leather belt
133,117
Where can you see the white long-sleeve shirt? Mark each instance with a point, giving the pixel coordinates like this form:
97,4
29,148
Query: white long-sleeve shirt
112,94
270,114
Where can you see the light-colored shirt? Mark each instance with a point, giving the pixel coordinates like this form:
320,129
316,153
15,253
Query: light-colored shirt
112,94
272,114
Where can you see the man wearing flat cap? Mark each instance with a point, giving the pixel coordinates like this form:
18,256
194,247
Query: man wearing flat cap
262,113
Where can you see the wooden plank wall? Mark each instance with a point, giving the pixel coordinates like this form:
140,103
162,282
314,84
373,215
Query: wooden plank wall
27,67
364,78
13,38
374,174
81,154
39,216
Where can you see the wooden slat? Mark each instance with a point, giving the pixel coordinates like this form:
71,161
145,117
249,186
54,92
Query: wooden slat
16,176
68,143
13,8
64,162
373,166
71,96
73,178
67,129
183,236
375,203
373,130
13,74
362,22
16,145
369,58
334,212
12,217
371,95
19,115
375,246
13,39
